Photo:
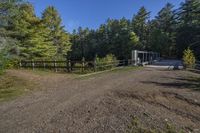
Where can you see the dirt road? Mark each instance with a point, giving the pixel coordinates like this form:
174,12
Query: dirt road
104,102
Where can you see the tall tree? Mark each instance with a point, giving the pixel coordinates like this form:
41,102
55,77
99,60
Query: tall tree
188,33
162,33
32,35
140,26
9,11
58,36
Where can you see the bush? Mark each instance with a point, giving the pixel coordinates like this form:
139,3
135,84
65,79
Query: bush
110,58
107,62
189,58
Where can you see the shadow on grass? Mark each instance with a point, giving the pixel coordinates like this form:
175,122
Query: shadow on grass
192,83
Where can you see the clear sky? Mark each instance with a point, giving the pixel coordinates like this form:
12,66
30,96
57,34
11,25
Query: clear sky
92,13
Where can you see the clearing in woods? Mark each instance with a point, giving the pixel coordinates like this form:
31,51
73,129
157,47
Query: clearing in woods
109,102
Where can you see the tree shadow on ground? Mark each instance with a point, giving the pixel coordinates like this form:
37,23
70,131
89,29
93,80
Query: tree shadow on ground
195,71
192,83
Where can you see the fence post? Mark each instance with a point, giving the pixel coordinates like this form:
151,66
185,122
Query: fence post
70,65
33,64
67,65
44,64
83,64
95,65
55,66
20,64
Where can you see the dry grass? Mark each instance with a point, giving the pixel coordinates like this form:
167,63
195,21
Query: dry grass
136,127
11,87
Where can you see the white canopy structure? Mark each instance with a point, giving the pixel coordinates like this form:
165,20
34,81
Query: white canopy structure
144,57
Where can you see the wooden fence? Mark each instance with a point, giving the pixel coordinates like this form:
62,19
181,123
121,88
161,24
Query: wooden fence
73,66
197,65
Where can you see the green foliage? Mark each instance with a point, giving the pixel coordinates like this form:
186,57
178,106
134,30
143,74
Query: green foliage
162,34
188,27
140,26
169,34
189,58
26,36
110,58
134,38
107,62
33,35
56,35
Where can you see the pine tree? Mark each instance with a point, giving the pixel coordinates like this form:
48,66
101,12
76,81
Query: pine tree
8,12
32,35
140,26
162,34
57,35
189,30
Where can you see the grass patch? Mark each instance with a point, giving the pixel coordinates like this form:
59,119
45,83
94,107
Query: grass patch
41,72
136,127
12,87
115,70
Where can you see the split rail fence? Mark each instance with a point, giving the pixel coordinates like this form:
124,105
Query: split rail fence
197,65
73,66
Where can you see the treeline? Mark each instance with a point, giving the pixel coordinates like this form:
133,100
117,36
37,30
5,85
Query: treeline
23,35
170,33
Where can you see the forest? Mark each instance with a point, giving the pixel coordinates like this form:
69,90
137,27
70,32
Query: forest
25,36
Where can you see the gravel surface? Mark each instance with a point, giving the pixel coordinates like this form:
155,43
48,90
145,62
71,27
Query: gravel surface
104,103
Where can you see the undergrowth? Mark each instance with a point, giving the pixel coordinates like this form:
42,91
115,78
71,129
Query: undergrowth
136,127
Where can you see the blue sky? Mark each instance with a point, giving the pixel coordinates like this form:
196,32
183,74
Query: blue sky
92,13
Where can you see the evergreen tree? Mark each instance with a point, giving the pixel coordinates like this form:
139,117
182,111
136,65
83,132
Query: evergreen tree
32,35
58,36
140,26
9,11
162,33
189,30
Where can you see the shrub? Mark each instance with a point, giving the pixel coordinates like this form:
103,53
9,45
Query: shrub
110,58
107,62
189,58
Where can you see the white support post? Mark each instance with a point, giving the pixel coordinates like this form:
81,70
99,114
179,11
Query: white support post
134,57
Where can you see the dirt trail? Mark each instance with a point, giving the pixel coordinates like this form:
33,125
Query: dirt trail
104,103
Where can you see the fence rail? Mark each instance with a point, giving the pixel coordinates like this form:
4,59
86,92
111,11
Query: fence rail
72,66
197,65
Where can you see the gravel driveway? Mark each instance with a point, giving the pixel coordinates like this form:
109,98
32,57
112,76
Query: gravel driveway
104,103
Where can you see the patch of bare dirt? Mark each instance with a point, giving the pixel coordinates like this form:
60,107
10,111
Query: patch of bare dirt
105,103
